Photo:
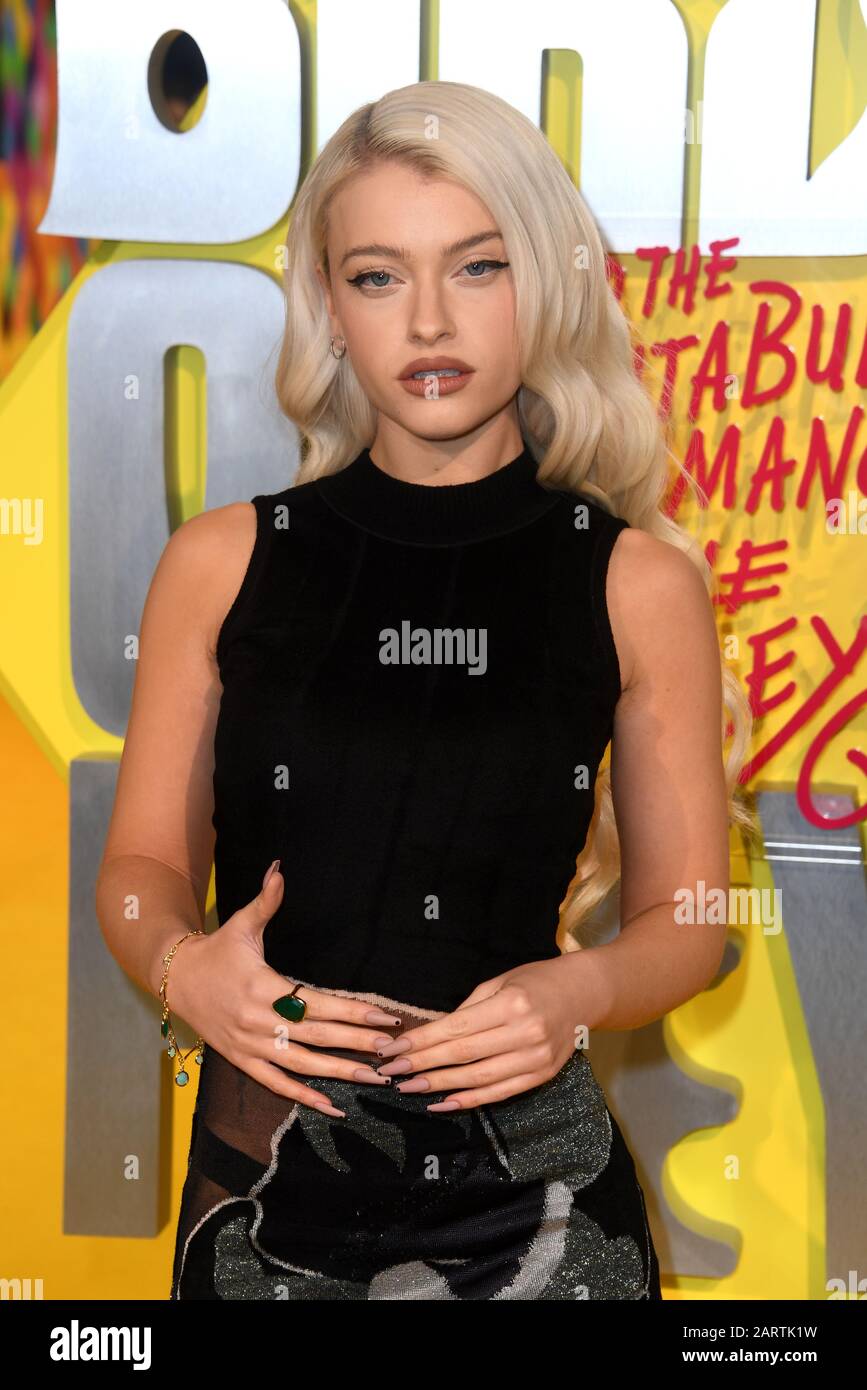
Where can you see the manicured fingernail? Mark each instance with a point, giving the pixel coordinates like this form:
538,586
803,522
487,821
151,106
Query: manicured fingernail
269,872
445,1105
369,1074
418,1083
393,1046
381,1042
379,1016
330,1110
392,1068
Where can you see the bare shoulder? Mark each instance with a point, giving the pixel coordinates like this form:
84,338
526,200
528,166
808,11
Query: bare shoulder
224,533
658,605
204,562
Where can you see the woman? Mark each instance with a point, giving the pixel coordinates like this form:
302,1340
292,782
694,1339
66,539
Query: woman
394,683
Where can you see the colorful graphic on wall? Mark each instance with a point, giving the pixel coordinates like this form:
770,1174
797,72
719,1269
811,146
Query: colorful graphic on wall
721,150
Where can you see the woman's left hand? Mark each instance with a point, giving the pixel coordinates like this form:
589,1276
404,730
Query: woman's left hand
511,1034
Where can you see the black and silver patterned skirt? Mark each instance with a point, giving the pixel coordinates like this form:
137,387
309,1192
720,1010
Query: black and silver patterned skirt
533,1197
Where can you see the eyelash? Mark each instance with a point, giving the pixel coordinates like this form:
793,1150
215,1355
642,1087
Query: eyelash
356,281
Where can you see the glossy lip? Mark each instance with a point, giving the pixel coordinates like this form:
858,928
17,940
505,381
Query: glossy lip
442,385
434,364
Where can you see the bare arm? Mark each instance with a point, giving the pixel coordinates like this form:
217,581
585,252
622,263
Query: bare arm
156,864
668,786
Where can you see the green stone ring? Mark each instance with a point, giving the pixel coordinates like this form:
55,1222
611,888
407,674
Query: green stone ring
290,1006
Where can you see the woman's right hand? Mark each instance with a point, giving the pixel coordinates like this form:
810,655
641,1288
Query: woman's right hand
222,987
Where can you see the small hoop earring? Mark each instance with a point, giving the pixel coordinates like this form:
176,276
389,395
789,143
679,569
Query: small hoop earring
338,355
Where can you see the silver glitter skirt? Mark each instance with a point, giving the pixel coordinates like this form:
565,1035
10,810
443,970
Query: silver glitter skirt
533,1197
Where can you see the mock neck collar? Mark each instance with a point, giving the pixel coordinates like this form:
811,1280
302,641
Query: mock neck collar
438,513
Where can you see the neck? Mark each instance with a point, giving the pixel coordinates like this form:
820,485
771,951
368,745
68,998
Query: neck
396,508
436,462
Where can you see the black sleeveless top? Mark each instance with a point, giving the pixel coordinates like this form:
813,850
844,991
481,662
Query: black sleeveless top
419,683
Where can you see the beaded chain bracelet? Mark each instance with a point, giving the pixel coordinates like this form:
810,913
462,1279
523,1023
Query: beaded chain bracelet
166,1029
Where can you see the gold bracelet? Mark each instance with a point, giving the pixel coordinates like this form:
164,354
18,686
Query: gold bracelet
166,1029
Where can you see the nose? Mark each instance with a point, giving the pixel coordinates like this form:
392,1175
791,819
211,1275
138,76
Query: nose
430,317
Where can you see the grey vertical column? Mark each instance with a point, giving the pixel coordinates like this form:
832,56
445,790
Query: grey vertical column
821,875
641,1080
114,1058
123,321
119,174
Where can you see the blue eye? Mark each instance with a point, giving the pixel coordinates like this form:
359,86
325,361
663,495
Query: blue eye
497,265
366,274
363,279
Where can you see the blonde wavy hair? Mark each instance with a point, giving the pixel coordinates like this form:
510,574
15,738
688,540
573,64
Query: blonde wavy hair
588,420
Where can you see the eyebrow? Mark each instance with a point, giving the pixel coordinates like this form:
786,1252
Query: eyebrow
400,253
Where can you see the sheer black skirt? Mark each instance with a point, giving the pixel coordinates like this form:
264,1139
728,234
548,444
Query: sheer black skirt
533,1197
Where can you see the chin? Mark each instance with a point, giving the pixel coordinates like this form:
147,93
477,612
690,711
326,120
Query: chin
435,430
444,418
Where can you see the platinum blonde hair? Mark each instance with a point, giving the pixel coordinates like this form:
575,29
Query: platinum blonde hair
590,423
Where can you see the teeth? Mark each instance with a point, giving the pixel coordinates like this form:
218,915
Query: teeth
443,371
